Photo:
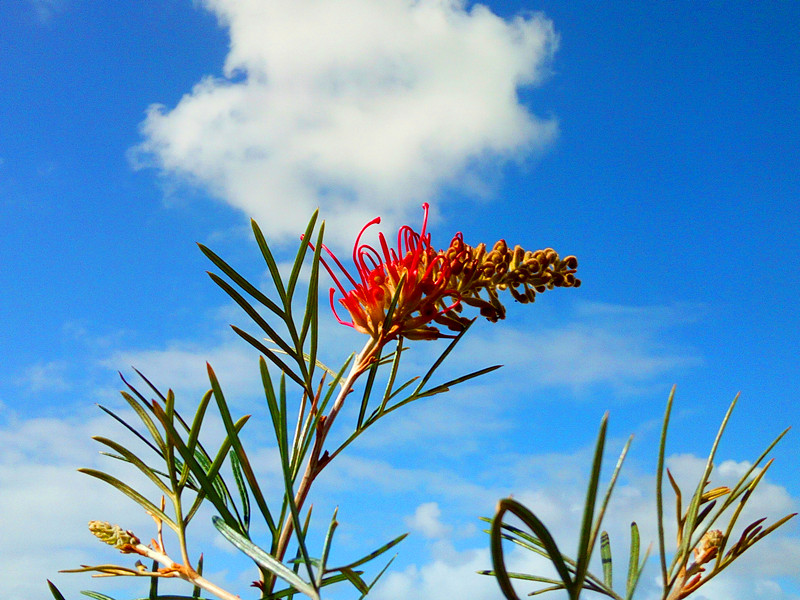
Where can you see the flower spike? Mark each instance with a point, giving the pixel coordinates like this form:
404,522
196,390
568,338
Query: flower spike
432,286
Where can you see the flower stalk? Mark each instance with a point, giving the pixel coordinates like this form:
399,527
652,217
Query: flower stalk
317,461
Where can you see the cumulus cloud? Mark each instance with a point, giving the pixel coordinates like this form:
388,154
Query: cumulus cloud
358,106
440,579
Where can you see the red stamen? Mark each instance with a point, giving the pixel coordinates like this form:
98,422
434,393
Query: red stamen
374,221
333,308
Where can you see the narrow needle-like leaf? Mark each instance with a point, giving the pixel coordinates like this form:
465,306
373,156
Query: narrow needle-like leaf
662,445
586,543
607,561
133,495
264,559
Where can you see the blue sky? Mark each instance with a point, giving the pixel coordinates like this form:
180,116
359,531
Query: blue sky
657,142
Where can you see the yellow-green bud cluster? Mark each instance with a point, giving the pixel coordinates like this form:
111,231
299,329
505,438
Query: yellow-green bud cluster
474,272
113,535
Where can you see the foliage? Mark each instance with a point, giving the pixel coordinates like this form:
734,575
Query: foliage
408,293
395,298
699,547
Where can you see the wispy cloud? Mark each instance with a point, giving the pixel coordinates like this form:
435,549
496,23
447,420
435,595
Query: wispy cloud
358,106
47,9
45,377
439,500
181,366
625,348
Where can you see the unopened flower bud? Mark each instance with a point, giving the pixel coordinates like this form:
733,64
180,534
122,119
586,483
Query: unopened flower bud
113,535
710,541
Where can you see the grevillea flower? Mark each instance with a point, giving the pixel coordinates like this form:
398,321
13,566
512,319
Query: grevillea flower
432,286
416,274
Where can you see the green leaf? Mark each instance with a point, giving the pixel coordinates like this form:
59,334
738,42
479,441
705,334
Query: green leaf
54,590
130,457
241,281
311,315
526,577
373,372
194,433
541,532
635,568
255,316
387,393
356,580
150,385
262,558
441,358
633,562
662,446
197,589
96,595
274,271
236,467
270,354
373,554
326,547
301,253
233,438
605,557
377,577
145,418
586,543
133,495
439,389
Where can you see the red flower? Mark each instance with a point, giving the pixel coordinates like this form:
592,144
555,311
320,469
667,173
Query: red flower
415,272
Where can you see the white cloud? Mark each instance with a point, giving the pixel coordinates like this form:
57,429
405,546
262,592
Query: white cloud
442,579
359,106
182,367
45,377
426,521
45,504
622,347
448,497
42,494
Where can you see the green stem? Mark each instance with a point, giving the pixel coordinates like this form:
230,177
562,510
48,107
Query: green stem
316,462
